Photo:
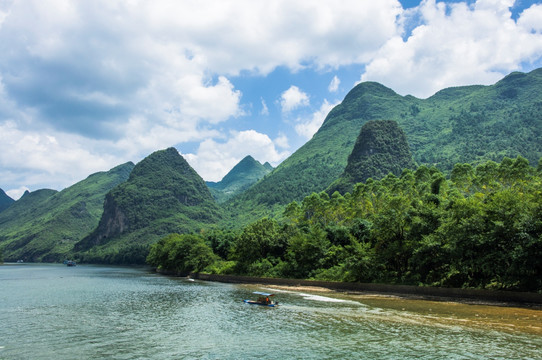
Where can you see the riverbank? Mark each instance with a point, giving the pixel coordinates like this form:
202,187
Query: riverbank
468,296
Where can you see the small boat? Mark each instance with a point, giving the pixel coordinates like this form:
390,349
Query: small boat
264,299
71,263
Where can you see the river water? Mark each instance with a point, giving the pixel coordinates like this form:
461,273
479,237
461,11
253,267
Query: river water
97,312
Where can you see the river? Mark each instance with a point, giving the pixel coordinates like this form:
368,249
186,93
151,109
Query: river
99,312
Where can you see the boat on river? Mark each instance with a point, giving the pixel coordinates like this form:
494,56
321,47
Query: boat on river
264,299
70,263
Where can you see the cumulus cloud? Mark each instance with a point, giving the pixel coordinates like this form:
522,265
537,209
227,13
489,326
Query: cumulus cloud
293,98
308,127
530,19
32,157
334,84
457,44
136,76
213,160
282,141
112,81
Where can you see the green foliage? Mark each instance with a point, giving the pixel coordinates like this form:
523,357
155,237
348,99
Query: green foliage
381,148
471,124
181,254
44,225
482,228
163,195
5,201
221,242
257,241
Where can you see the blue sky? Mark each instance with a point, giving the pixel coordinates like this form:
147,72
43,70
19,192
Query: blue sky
88,85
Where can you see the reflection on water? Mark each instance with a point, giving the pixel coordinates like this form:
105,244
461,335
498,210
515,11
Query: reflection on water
92,312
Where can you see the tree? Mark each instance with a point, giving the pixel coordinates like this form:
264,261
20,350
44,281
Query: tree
258,241
181,254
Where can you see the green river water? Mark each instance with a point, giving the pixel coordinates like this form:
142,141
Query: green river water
98,312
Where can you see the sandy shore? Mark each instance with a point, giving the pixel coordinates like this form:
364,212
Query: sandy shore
367,295
371,290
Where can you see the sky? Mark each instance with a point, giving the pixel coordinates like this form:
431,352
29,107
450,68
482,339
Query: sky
89,85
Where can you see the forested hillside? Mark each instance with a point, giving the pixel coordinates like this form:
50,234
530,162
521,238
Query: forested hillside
162,195
114,217
381,148
44,225
5,201
480,229
465,124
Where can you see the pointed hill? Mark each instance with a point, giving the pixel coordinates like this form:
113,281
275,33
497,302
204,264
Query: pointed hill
456,125
381,148
5,201
163,195
246,173
44,225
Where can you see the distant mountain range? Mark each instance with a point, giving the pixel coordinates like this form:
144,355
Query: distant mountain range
5,201
44,225
243,175
456,125
114,216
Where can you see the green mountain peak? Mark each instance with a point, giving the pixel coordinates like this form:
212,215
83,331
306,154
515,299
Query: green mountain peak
381,148
162,195
243,175
5,201
457,125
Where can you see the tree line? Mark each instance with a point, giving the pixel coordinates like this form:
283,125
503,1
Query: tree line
481,227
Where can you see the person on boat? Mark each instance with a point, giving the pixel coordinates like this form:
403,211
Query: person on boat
267,300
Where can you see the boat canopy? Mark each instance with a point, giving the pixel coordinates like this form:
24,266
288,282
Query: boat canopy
262,293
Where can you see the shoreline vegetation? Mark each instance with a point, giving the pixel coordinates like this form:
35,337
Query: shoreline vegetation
479,229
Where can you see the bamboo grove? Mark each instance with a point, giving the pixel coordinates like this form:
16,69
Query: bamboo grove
480,227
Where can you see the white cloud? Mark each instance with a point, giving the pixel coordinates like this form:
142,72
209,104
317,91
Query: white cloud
112,81
61,158
293,98
530,19
308,127
334,84
135,76
457,44
214,160
282,141
265,109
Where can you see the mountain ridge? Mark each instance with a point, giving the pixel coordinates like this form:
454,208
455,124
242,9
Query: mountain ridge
243,175
163,194
44,224
471,124
5,200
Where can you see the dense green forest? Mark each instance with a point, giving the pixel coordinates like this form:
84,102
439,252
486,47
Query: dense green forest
115,217
467,124
479,228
